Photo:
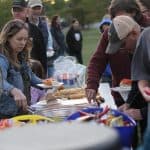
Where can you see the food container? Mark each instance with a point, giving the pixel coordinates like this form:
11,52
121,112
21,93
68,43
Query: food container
125,132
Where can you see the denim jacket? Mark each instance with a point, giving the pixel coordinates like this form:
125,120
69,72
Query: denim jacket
12,78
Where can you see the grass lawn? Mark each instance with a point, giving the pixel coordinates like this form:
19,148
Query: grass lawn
90,40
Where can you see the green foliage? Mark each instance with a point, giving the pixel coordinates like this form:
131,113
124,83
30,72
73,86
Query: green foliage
90,40
5,15
87,11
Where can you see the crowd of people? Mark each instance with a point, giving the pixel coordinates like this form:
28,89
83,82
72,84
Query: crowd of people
119,47
29,45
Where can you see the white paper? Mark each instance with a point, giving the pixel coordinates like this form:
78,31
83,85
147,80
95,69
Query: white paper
55,84
124,91
73,102
39,104
105,92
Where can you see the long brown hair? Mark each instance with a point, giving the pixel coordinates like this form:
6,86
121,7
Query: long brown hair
10,29
54,22
37,68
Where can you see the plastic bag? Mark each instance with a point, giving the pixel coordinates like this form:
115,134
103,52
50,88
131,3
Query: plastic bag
69,72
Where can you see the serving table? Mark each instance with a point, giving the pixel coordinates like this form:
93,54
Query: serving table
63,108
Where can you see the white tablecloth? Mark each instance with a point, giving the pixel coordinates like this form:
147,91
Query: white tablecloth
105,92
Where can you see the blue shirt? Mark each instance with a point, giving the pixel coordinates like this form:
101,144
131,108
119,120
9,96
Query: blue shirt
12,78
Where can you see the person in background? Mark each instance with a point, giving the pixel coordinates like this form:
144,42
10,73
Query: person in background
50,53
104,25
36,93
144,6
35,17
141,73
74,40
14,62
58,36
123,30
20,11
120,62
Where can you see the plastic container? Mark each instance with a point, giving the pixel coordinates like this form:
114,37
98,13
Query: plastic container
125,132
69,80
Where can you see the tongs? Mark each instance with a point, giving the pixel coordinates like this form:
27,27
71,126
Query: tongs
30,110
89,116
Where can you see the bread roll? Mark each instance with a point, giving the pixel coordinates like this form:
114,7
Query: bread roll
70,91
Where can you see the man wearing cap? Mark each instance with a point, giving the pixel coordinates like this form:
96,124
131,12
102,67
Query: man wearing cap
125,31
120,62
35,8
38,52
35,11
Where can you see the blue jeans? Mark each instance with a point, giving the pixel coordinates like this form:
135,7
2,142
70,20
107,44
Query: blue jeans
50,71
146,143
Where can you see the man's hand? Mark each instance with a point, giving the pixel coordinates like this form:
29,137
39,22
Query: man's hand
134,113
123,107
91,95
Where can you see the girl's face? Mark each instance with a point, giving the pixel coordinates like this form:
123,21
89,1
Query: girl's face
76,25
18,41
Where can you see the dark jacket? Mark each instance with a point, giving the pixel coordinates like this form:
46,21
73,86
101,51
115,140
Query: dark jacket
136,100
59,39
44,29
74,45
38,51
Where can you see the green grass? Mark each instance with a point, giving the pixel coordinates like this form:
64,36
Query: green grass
90,40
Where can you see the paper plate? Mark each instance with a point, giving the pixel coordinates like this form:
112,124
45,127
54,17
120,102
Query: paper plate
121,89
124,91
55,84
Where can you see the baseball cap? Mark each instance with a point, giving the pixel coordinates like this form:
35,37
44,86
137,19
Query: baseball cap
103,22
20,3
34,3
119,29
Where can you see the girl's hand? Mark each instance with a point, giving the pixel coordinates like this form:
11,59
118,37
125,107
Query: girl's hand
19,97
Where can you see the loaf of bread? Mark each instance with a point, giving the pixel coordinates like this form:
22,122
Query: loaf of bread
76,96
70,91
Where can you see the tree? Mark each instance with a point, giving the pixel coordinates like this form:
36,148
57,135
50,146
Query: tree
5,15
87,11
